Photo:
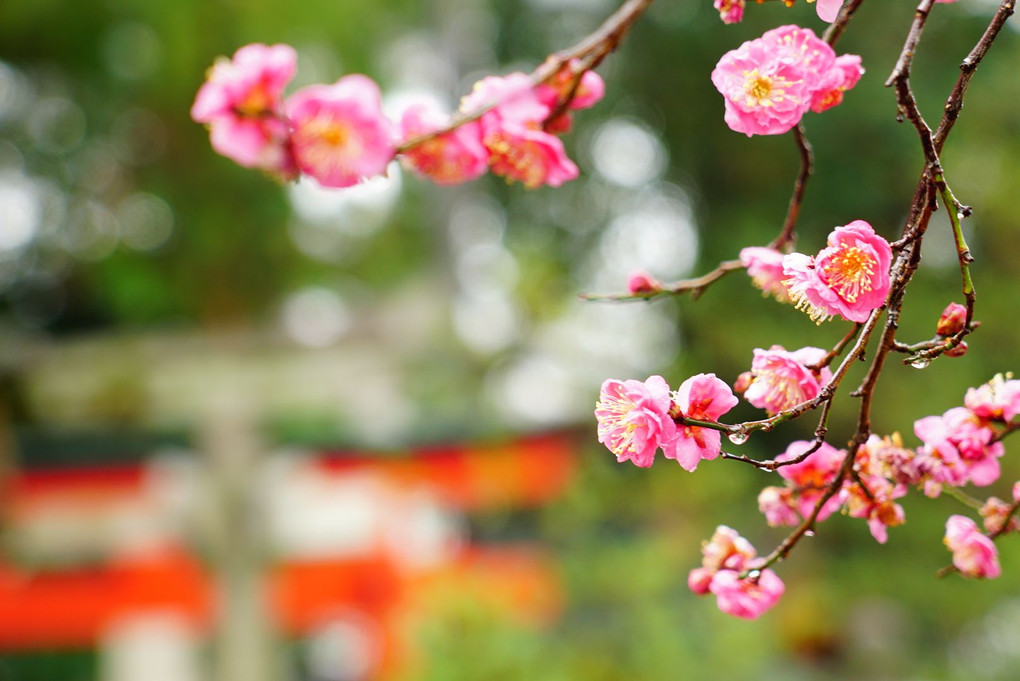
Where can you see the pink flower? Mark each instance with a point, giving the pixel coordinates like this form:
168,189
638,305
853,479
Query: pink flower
778,506
634,419
340,135
726,549
811,476
845,74
1016,492
958,448
765,267
512,132
590,89
451,158
782,379
730,11
765,92
828,9
749,597
240,102
888,457
997,400
769,83
995,511
952,320
849,278
705,398
699,579
640,281
974,554
876,504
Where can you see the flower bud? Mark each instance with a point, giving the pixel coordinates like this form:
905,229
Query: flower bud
640,281
959,351
952,320
743,382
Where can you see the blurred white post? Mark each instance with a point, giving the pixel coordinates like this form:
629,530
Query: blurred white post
244,648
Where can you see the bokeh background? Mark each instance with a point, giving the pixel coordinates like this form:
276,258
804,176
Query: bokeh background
263,432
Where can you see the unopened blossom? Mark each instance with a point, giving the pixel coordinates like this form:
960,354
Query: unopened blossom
730,11
783,379
634,418
778,505
848,278
1016,492
812,476
997,400
875,504
340,135
765,267
241,104
705,398
748,597
952,320
974,554
995,511
451,158
519,149
640,281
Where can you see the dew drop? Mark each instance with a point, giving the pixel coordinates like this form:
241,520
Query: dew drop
754,574
738,438
920,363
809,533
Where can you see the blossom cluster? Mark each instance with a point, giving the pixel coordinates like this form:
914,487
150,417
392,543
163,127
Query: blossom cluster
339,135
728,570
849,278
636,418
769,83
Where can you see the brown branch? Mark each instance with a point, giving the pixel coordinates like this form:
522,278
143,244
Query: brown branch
836,28
788,235
695,286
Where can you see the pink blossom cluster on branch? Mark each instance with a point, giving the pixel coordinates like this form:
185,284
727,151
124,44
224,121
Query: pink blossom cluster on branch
339,135
732,11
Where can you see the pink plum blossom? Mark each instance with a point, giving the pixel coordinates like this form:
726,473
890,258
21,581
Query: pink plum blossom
241,104
995,512
724,558
340,135
846,73
849,278
782,379
974,554
730,11
764,91
1016,492
997,400
778,506
451,158
769,83
634,418
958,448
875,504
705,398
588,91
519,149
811,476
765,267
747,598
726,549
886,456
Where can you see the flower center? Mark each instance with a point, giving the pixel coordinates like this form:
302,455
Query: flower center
759,88
849,272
